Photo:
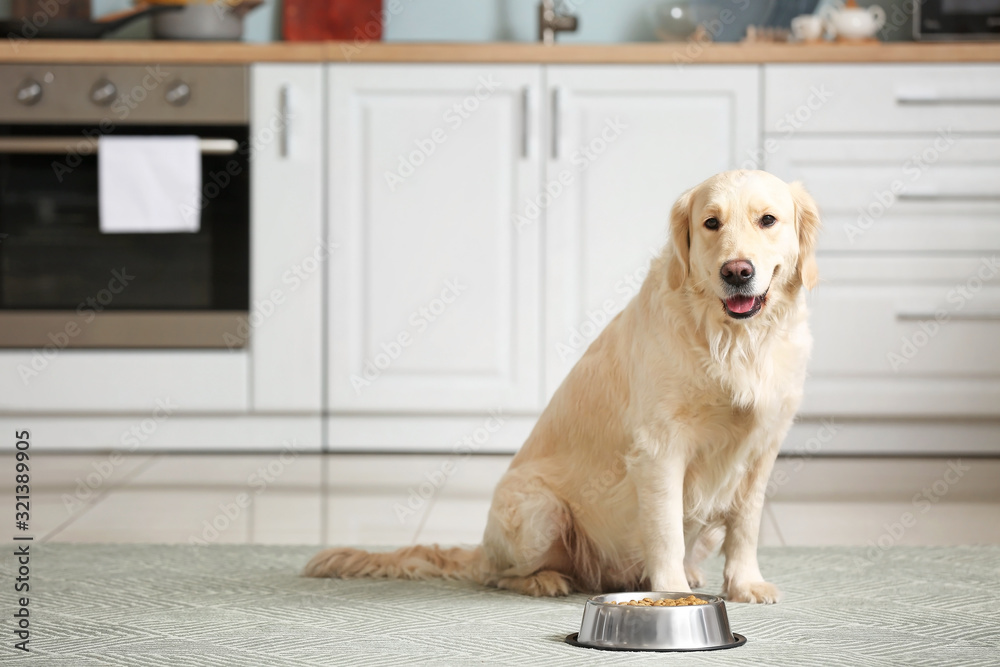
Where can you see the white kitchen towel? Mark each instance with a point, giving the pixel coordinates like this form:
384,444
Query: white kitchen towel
149,184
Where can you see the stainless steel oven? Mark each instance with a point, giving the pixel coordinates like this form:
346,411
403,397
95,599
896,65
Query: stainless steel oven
951,20
62,281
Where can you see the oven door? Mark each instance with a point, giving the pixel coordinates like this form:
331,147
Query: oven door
953,20
65,283
207,399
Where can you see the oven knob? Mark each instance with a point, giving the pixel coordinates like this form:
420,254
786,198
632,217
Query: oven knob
178,93
103,93
30,92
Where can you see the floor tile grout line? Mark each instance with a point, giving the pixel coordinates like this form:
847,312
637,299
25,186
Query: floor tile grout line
432,504
774,521
324,500
426,515
142,467
250,523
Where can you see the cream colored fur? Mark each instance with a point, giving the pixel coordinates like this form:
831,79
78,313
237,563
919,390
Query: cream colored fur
658,445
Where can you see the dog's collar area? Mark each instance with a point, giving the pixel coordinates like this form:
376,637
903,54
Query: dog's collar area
740,307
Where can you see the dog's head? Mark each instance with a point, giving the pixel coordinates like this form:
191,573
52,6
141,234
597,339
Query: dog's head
745,237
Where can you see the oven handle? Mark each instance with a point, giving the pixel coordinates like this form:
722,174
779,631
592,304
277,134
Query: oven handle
85,146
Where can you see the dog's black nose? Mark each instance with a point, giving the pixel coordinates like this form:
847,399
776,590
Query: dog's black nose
737,272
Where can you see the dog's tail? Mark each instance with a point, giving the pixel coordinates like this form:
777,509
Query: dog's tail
416,562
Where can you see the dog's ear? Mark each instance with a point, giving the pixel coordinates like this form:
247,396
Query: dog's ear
680,237
807,222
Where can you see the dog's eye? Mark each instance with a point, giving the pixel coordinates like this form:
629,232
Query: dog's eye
712,223
767,220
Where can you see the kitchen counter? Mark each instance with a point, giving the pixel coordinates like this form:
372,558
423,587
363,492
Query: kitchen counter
112,51
72,52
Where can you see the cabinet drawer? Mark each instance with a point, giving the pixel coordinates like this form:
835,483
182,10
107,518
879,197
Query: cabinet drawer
944,323
881,98
124,382
932,194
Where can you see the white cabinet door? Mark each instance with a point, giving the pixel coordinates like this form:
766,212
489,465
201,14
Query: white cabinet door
434,293
624,142
289,250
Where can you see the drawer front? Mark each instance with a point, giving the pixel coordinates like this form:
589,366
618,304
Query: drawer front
917,317
932,194
881,98
142,382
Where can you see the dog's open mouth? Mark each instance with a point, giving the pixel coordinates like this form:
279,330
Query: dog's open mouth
740,307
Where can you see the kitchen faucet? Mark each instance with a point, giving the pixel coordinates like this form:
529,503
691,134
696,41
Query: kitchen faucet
551,21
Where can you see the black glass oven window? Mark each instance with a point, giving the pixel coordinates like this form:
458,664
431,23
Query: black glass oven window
54,257
970,6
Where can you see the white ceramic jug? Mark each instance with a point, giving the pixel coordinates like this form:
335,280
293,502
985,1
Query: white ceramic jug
853,22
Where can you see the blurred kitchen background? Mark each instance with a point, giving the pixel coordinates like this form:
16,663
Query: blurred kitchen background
601,21
347,333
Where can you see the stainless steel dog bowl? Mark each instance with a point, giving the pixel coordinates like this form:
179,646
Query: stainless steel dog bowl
631,628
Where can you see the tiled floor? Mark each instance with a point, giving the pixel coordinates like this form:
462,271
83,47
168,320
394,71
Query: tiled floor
395,500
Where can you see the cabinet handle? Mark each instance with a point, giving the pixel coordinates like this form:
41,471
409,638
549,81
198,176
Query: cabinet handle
933,98
284,111
527,110
557,103
915,316
56,145
948,196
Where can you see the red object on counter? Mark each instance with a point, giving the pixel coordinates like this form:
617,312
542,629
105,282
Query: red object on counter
321,20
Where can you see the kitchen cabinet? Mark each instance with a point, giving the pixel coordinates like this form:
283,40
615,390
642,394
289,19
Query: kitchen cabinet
434,294
908,309
624,143
290,249
876,99
902,160
266,389
433,208
434,245
906,305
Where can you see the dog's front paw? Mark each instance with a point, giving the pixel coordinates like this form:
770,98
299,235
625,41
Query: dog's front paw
546,583
695,577
754,592
669,584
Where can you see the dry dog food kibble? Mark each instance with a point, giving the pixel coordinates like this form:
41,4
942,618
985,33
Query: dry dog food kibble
666,602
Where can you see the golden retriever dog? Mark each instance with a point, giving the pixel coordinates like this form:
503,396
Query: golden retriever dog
658,445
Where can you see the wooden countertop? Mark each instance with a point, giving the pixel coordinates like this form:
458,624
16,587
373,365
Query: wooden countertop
71,52
116,51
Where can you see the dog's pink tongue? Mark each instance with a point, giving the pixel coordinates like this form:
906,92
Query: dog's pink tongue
740,304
